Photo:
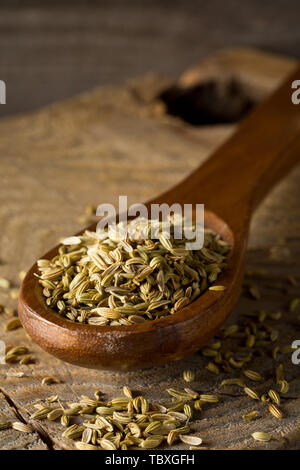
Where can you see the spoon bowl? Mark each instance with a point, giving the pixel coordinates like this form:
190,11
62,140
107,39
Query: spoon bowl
230,184
134,346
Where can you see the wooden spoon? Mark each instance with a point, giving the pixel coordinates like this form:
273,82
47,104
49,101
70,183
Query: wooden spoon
231,184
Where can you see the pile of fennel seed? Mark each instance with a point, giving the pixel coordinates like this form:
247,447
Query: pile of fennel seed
100,279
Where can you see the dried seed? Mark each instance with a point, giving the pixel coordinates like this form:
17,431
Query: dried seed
264,398
128,282
15,374
85,446
275,411
211,367
158,408
253,375
121,401
87,435
65,420
22,427
254,292
52,399
71,241
104,410
294,304
134,429
250,341
172,436
274,335
127,392
251,393
209,352
73,432
41,413
179,395
192,393
107,445
236,364
178,406
198,405
287,349
4,283
238,382
11,358
14,294
191,440
152,442
188,375
13,324
284,386
55,414
177,415
275,315
26,359
22,275
10,311
5,425
198,448
209,398
275,351
274,396
188,411
152,426
250,416
18,351
230,330
261,436
49,380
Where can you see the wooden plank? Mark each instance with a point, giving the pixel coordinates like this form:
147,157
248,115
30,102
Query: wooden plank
255,70
89,150
10,439
57,51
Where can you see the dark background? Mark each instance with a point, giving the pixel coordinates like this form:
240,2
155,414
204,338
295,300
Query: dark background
50,50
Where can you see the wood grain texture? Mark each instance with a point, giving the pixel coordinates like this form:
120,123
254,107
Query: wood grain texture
57,50
57,161
11,439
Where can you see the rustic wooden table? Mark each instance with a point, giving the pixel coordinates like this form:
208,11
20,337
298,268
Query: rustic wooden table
120,140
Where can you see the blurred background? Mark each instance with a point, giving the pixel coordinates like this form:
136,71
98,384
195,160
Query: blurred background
53,49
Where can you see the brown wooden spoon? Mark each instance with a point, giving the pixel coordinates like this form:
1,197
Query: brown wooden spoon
231,184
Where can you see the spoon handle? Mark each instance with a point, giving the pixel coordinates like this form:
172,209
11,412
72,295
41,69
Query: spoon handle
243,170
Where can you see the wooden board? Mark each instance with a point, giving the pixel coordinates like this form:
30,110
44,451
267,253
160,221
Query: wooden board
119,140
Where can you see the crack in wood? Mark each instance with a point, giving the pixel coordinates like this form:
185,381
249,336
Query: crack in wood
45,438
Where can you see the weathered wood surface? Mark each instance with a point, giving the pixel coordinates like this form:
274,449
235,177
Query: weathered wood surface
119,140
59,51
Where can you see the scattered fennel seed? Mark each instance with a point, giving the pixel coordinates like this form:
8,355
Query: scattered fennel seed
4,283
261,436
294,304
188,375
121,423
13,324
275,411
